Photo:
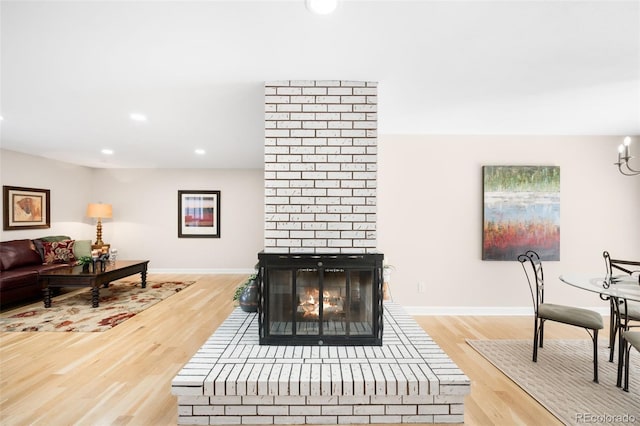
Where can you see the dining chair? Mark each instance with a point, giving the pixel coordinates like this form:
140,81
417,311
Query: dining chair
632,310
570,315
633,339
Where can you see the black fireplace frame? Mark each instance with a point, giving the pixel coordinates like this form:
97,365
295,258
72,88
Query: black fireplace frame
301,261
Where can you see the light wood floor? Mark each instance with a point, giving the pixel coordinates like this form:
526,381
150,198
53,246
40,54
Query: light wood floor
123,376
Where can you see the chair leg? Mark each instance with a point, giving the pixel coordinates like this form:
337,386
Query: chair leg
595,356
613,329
541,331
622,345
535,340
626,369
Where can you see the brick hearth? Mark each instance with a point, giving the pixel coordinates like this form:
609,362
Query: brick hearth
234,380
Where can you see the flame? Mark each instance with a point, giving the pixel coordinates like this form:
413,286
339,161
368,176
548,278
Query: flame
310,303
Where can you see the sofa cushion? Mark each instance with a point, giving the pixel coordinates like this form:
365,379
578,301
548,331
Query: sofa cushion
17,253
58,251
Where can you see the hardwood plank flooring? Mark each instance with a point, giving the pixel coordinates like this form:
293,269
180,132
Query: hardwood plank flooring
123,376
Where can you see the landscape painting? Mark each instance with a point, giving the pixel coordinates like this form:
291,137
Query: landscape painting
521,212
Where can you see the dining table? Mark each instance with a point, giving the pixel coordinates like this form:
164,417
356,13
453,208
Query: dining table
619,290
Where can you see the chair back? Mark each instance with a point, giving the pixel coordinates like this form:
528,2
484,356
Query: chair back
532,267
620,265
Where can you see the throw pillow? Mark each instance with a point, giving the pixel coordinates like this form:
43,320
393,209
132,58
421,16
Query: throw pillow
38,242
58,251
39,249
82,248
53,238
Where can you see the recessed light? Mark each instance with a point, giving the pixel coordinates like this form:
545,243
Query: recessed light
137,116
1,118
107,151
322,7
200,151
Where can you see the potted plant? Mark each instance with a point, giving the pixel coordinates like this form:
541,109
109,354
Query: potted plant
246,294
85,261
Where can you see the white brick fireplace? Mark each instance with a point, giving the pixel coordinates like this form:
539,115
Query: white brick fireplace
320,225
320,166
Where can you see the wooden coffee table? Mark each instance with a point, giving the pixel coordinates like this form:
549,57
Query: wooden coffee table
75,276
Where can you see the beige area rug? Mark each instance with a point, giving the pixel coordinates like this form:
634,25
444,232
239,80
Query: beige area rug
73,312
562,379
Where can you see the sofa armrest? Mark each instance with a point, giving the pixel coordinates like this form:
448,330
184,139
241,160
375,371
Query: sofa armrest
18,253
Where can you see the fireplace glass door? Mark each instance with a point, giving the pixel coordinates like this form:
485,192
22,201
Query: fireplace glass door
319,305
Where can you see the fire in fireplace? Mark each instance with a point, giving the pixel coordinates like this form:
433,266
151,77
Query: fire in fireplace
309,299
309,304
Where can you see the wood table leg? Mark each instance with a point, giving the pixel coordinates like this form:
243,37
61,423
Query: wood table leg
143,274
47,297
95,296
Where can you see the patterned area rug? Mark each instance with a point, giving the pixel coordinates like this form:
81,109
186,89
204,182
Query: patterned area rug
73,312
562,379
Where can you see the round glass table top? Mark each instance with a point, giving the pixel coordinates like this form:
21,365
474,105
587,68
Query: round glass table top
619,286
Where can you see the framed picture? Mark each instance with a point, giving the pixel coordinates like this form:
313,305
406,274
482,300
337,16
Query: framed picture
25,208
521,212
198,214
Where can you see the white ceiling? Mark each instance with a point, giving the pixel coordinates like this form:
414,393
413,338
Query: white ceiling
73,71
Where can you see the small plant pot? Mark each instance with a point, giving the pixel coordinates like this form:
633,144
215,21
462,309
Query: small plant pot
249,298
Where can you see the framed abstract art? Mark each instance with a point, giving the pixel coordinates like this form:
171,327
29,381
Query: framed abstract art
521,211
198,214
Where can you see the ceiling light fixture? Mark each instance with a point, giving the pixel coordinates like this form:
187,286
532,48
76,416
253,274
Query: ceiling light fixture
200,151
107,151
623,159
321,7
137,116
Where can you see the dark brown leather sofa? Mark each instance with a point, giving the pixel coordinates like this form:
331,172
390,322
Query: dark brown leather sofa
20,264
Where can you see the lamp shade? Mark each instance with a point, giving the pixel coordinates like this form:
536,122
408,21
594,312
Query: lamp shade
99,210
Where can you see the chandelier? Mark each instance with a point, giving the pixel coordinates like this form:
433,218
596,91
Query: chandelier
624,157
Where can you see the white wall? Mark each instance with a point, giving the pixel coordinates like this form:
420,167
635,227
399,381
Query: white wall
70,187
145,211
145,217
430,216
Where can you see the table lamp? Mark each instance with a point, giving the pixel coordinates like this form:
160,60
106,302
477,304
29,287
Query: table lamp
99,211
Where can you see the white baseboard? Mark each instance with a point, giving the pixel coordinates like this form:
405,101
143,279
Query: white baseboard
201,271
483,310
